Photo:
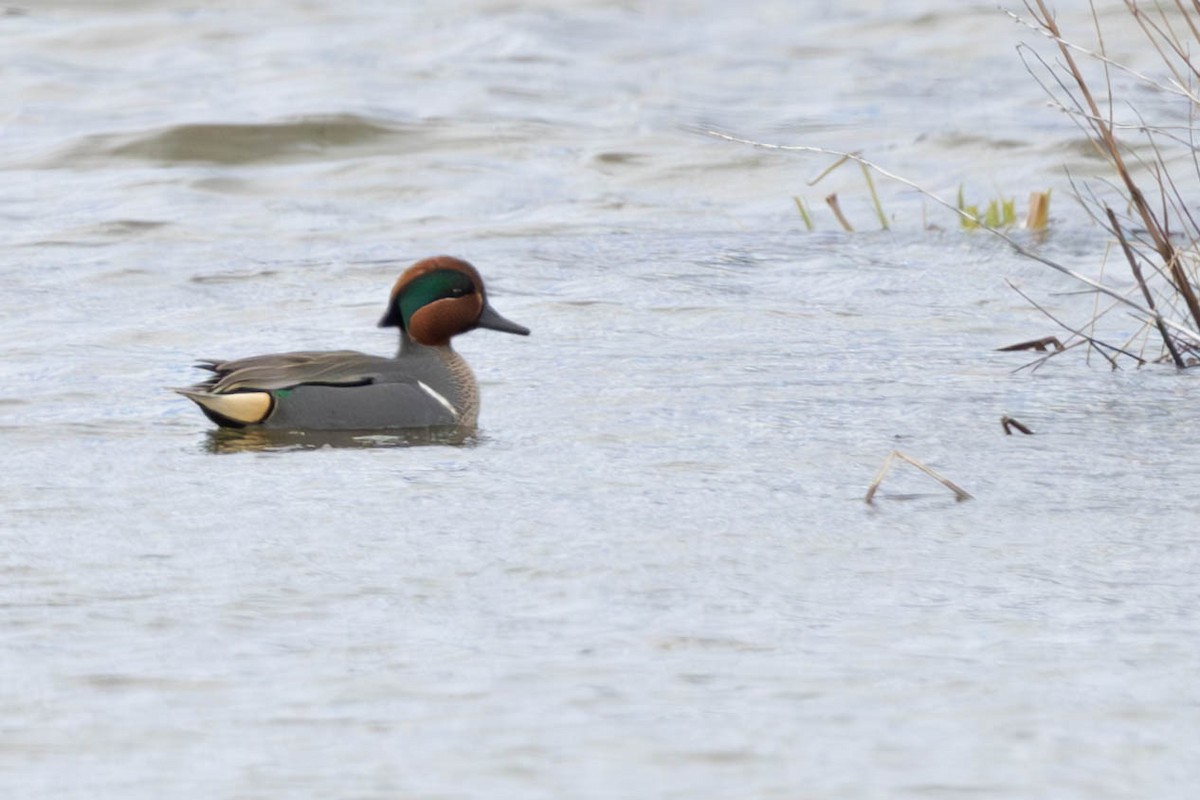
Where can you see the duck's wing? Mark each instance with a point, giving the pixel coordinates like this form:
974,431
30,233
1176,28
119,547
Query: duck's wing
288,370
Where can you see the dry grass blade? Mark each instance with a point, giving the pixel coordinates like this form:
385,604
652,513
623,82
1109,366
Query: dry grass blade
804,215
960,494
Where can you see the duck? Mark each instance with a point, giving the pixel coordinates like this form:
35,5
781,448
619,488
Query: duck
426,385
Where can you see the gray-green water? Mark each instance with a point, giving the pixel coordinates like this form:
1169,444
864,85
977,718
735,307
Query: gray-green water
652,573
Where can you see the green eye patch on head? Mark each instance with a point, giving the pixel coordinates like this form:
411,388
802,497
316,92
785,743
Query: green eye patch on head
437,285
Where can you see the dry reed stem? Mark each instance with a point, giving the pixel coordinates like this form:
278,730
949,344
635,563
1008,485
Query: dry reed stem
960,494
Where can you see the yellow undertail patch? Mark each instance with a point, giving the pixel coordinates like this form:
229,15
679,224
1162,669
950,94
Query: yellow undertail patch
244,408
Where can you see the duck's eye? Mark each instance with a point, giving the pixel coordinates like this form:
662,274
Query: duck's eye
458,291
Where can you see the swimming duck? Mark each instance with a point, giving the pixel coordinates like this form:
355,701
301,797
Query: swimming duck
427,384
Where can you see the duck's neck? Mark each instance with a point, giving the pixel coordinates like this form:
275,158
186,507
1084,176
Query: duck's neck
446,372
409,347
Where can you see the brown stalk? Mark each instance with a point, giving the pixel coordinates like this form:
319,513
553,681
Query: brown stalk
832,202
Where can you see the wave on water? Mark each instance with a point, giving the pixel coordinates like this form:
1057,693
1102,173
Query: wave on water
312,138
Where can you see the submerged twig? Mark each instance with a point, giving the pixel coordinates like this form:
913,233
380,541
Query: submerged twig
1008,423
1033,344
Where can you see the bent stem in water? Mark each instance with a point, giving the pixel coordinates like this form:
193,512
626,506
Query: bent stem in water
960,494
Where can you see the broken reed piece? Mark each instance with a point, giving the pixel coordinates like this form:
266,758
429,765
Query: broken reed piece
960,494
1034,344
1039,211
1009,423
832,202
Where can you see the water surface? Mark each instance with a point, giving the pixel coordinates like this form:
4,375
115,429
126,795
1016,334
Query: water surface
650,573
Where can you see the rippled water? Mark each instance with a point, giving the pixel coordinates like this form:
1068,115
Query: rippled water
651,572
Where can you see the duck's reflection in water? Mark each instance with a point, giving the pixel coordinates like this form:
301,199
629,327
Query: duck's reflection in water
244,440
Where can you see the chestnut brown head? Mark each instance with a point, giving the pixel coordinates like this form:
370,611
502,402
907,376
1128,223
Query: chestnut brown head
440,297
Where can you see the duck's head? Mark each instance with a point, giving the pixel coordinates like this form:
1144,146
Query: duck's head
440,297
